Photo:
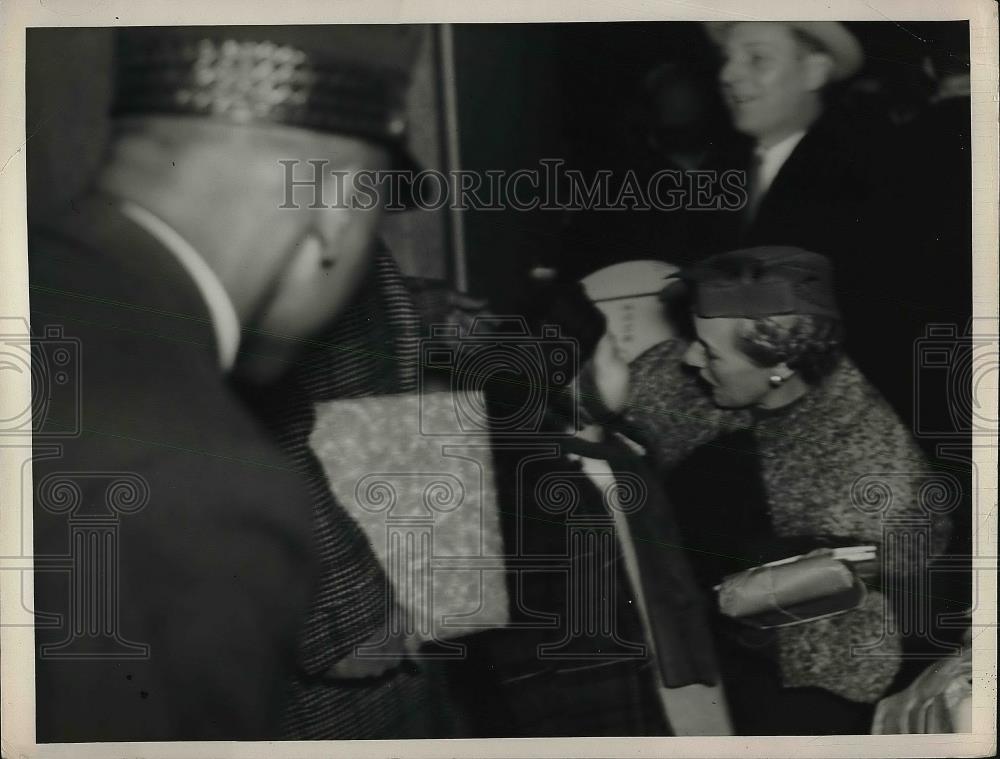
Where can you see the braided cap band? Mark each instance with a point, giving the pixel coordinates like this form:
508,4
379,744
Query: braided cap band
249,81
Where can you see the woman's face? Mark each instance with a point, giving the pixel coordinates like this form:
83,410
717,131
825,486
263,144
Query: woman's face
735,380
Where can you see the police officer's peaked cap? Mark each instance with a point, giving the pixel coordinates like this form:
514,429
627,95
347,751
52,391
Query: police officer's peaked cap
341,78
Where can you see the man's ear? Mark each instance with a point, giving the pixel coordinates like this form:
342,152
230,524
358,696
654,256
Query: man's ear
818,70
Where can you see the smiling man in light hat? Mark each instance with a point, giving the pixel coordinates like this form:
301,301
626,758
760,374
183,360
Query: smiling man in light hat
773,77
774,73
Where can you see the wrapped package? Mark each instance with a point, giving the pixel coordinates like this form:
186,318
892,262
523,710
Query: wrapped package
427,503
788,593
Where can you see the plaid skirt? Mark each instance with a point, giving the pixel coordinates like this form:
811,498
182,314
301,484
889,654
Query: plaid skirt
410,703
615,697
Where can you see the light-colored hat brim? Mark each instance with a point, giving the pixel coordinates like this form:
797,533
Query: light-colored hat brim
845,49
627,293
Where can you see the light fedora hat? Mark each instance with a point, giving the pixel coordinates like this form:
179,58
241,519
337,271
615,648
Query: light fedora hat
845,49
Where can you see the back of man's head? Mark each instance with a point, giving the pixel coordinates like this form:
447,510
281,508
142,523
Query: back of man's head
212,123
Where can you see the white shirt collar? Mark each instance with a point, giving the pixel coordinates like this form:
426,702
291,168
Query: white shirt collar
224,319
774,157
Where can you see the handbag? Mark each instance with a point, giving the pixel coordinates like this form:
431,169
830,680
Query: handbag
796,590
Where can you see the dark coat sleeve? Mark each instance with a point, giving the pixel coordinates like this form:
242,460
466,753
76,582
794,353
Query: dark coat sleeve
667,411
214,572
213,568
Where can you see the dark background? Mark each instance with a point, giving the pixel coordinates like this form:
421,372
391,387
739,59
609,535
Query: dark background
573,91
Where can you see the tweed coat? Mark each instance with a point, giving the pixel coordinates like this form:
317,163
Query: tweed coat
213,564
837,462
370,349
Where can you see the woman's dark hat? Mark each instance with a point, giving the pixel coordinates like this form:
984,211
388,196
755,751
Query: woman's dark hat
348,79
755,282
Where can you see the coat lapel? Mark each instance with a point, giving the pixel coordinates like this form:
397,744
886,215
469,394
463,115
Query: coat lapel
94,265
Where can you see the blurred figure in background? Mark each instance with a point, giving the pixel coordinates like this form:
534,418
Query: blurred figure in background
686,128
675,123
938,701
684,116
927,245
927,262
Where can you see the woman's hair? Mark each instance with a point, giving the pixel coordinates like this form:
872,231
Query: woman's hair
809,344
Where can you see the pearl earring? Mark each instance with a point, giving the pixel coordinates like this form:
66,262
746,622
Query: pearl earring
776,380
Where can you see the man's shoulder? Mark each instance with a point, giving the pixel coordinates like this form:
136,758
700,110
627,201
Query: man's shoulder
92,242
110,288
838,137
143,390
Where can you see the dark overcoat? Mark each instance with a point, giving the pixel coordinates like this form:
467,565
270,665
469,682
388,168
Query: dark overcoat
172,539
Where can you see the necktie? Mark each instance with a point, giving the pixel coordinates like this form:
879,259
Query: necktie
755,190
